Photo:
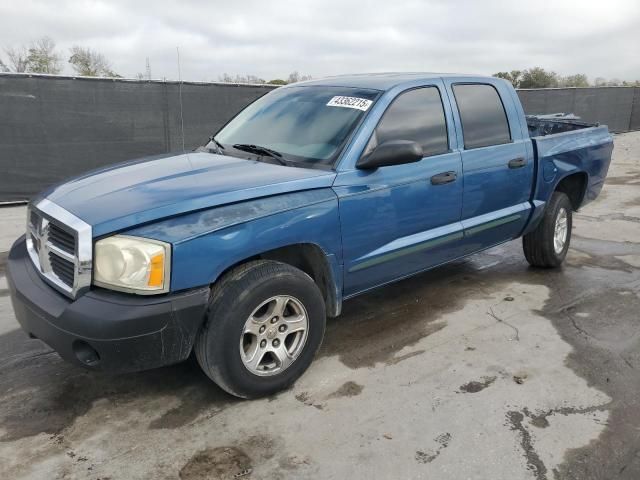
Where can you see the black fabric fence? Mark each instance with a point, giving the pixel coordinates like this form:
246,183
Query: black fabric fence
52,128
617,107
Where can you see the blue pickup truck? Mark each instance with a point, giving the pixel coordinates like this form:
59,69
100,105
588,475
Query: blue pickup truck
313,194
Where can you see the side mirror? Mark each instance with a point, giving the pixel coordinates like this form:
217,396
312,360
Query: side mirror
393,152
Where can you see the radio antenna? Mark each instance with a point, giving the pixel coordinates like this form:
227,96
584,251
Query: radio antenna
180,95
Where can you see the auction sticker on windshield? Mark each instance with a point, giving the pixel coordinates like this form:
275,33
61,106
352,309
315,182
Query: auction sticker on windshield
350,102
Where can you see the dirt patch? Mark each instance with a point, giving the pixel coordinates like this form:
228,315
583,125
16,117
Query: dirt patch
607,354
293,462
629,179
429,456
194,401
253,457
41,393
348,389
222,463
634,202
305,398
376,326
476,386
515,421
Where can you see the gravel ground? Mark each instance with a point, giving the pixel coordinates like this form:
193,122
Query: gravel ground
485,368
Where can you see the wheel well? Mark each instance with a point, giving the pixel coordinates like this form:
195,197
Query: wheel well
574,186
311,260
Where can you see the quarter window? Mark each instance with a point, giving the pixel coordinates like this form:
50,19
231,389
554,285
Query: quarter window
484,121
416,115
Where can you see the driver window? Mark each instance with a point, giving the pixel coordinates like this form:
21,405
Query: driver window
416,115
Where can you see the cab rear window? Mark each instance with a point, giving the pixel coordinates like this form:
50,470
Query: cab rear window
484,120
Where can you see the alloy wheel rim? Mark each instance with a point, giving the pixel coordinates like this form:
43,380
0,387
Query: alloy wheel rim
274,335
560,231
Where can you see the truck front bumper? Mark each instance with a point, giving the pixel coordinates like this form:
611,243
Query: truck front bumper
105,330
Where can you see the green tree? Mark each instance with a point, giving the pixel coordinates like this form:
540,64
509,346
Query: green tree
538,77
42,57
89,63
514,76
277,81
577,80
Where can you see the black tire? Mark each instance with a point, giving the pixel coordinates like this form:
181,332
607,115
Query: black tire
233,299
538,245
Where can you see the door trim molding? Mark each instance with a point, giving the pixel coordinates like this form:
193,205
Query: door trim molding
436,237
415,248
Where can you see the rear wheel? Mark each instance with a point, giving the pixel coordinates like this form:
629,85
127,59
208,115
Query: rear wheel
265,323
547,245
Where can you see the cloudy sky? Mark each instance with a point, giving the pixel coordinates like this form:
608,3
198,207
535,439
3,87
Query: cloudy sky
327,37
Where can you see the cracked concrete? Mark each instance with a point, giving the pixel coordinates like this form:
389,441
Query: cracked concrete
485,368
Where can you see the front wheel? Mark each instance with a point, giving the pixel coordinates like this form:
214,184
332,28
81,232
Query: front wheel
547,245
265,323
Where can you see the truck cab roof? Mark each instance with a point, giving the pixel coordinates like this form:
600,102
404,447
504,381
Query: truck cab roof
383,81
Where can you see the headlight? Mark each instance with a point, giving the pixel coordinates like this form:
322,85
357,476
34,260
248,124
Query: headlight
132,264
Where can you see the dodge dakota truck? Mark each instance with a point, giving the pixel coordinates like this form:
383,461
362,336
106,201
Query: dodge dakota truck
317,192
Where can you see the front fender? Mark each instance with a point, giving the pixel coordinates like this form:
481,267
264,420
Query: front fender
208,242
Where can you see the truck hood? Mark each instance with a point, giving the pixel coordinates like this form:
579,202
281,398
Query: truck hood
130,194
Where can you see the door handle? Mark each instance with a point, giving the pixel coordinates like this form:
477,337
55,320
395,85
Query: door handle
444,177
517,162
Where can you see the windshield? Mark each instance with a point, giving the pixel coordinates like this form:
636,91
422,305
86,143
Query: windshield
304,125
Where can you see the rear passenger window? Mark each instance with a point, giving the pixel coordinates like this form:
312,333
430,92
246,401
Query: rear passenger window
484,121
416,115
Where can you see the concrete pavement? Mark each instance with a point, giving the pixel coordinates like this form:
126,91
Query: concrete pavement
485,368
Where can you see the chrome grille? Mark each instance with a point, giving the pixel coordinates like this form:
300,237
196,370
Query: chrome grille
62,239
64,269
59,245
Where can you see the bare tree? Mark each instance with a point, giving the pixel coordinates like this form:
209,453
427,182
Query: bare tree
17,59
42,57
90,63
226,78
254,79
3,67
295,77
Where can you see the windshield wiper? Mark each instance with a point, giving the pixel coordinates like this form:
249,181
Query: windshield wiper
245,147
218,145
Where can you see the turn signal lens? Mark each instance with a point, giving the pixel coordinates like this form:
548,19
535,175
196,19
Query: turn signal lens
156,275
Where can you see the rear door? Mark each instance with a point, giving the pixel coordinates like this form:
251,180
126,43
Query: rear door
398,220
497,162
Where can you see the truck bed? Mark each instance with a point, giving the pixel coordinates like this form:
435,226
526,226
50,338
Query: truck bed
562,144
542,125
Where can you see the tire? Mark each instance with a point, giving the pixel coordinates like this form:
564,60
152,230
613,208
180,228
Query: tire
540,247
237,303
